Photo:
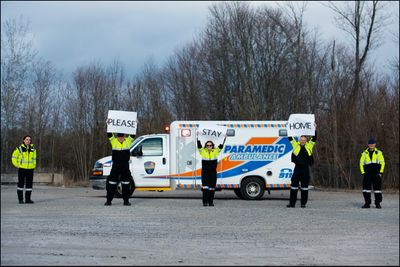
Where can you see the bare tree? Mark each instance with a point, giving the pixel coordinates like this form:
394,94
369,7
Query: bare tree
184,84
364,23
38,106
17,55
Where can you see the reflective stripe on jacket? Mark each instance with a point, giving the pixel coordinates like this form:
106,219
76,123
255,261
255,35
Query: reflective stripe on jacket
24,157
308,146
125,145
377,158
209,155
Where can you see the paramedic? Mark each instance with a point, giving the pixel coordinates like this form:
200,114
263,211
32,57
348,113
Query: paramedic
24,158
209,155
120,166
372,165
302,158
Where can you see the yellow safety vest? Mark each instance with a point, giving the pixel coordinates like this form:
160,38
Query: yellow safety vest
377,158
125,145
209,155
296,146
24,158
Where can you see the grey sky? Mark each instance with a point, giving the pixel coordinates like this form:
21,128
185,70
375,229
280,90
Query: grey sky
70,34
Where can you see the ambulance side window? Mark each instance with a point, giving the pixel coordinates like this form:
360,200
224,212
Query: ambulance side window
283,132
152,147
230,132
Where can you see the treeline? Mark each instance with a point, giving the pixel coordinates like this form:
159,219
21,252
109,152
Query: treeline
247,64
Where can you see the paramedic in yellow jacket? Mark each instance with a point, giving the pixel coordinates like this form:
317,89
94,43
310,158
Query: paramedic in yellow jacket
372,165
302,158
209,155
120,166
24,158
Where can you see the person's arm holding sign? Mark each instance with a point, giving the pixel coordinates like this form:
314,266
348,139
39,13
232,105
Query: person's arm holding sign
199,146
222,145
314,138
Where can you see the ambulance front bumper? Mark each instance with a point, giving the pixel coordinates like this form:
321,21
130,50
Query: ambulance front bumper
98,182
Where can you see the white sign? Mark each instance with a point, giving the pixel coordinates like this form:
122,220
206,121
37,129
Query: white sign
213,133
121,122
301,124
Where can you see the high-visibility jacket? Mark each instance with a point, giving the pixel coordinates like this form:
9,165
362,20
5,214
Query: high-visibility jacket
377,163
209,155
308,146
120,151
24,157
125,145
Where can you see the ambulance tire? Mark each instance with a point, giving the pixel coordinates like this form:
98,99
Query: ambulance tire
118,192
238,193
252,188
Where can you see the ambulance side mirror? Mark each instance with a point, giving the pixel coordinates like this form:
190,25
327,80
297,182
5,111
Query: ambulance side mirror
283,132
137,151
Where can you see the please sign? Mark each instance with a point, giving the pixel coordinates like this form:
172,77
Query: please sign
121,122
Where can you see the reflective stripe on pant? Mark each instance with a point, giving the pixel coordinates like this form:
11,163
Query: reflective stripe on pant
208,180
119,172
301,175
372,180
25,179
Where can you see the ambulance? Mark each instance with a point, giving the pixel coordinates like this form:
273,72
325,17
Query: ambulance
256,157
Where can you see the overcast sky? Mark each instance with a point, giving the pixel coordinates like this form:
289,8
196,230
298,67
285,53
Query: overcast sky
72,34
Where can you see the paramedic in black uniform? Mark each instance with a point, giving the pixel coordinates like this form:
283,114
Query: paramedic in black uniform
302,158
120,166
209,155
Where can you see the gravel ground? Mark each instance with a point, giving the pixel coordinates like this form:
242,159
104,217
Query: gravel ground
70,226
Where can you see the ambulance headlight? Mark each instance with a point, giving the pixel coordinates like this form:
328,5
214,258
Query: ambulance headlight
186,132
98,165
108,164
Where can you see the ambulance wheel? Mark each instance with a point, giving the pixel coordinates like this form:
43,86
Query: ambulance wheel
118,192
238,193
252,188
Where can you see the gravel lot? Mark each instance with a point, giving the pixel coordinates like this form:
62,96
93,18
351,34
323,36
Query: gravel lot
70,226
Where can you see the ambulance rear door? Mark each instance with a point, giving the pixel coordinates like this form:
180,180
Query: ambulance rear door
187,159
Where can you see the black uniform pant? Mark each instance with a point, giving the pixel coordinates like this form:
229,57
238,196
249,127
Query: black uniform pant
372,179
301,175
119,172
208,180
25,178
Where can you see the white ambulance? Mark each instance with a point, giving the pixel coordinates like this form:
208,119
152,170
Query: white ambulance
256,157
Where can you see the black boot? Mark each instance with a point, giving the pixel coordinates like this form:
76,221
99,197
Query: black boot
125,194
378,200
367,199
304,198
28,197
293,198
20,195
205,197
110,193
211,197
